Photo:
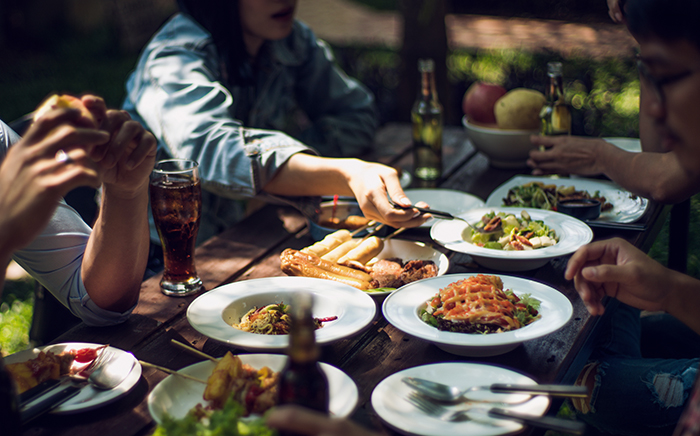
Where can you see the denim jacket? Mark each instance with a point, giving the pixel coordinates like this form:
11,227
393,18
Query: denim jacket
177,92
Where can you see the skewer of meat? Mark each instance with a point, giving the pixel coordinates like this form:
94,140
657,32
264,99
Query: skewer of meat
333,240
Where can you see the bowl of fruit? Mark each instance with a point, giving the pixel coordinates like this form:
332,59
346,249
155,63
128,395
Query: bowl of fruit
500,123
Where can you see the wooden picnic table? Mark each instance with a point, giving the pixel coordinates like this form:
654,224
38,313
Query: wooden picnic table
251,249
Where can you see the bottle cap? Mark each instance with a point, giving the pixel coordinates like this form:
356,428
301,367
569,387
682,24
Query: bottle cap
554,68
426,65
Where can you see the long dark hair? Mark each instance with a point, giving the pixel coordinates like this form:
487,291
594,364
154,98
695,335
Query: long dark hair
222,19
666,19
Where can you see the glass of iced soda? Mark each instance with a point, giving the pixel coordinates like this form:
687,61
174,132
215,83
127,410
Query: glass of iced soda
176,203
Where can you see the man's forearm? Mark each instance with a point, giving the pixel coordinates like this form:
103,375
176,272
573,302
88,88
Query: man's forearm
117,252
656,176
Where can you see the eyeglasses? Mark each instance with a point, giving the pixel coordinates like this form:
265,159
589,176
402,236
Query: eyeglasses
657,84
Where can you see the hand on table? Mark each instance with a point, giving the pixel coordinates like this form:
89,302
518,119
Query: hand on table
618,269
566,155
308,422
47,163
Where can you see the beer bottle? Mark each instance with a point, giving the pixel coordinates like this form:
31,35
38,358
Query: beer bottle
555,115
302,382
9,404
427,122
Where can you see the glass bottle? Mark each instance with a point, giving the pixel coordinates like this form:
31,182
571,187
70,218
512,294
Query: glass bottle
302,382
427,122
555,115
9,406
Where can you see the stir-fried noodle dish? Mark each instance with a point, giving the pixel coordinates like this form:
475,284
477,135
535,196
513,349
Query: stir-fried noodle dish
272,319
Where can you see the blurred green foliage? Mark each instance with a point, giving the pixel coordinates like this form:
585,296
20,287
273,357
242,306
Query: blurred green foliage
16,315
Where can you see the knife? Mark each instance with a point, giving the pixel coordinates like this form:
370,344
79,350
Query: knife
48,400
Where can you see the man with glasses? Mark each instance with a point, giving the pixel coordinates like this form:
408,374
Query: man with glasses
643,370
668,169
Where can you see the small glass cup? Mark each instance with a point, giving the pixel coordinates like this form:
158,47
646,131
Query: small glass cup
176,203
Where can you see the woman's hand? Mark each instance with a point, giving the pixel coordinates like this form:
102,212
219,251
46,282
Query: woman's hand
617,269
371,183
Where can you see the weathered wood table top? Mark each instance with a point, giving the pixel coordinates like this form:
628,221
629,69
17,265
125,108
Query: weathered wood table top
251,248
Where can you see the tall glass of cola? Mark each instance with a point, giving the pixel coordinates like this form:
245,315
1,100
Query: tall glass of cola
176,203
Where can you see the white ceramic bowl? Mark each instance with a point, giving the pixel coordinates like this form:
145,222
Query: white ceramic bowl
572,233
504,148
402,309
214,312
175,396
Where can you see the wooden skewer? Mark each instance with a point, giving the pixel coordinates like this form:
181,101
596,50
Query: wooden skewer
374,231
365,227
396,232
194,350
170,371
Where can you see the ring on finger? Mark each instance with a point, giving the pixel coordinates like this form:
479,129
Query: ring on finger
63,157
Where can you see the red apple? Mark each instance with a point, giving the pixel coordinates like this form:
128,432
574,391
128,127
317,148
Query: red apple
67,101
479,101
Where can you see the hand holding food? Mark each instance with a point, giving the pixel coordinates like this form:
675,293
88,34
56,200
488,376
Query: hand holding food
89,118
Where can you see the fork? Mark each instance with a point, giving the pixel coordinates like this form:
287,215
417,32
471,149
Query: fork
445,216
462,414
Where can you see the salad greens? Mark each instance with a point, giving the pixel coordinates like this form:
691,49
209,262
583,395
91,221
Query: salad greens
537,195
515,233
224,422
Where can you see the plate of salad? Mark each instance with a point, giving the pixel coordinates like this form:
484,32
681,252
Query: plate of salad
566,235
617,204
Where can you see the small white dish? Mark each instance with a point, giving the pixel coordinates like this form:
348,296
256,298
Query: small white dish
402,309
389,400
88,398
633,145
177,395
448,200
572,233
214,312
627,207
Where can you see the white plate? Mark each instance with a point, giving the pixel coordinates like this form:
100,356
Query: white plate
88,398
390,403
572,233
402,309
448,200
177,395
627,208
632,145
411,250
213,312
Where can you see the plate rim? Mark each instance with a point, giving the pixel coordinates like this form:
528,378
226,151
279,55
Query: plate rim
562,248
456,192
256,342
466,340
502,189
80,403
392,382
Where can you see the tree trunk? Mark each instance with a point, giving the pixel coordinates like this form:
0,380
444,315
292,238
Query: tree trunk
424,36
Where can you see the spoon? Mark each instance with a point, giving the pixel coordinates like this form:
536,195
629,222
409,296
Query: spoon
445,216
442,392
